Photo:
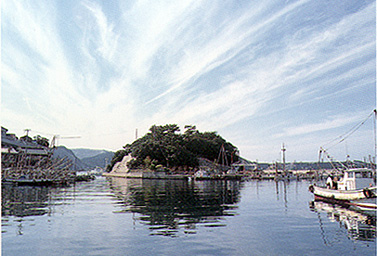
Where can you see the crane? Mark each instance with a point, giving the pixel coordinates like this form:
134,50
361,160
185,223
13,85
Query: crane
55,137
54,140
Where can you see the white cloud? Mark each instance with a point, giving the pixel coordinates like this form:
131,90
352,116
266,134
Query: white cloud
342,120
107,41
212,52
186,62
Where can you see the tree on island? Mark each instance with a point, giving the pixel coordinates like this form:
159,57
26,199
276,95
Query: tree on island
165,146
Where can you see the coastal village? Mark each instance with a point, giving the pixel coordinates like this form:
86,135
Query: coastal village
27,160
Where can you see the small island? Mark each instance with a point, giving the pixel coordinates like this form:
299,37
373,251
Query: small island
166,152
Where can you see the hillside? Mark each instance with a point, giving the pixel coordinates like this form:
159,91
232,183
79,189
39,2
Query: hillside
99,160
84,159
63,152
82,153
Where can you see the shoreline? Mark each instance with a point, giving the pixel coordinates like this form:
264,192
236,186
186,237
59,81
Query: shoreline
146,174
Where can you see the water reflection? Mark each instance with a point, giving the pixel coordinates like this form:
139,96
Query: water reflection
170,206
22,201
19,204
359,225
284,186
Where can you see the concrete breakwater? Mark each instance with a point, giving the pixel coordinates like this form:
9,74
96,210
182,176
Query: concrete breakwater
145,174
210,171
148,174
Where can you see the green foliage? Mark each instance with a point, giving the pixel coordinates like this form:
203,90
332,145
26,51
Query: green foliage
166,146
41,141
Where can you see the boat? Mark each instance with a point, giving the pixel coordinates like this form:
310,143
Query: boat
358,187
348,193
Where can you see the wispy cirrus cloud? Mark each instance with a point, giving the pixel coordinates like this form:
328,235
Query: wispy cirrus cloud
239,68
213,51
329,123
106,39
266,78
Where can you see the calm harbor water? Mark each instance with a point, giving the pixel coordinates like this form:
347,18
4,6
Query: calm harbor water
160,217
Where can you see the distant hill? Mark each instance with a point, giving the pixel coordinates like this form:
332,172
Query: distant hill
82,153
63,152
99,160
84,159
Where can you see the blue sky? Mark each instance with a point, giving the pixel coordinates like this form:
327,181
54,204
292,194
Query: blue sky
260,73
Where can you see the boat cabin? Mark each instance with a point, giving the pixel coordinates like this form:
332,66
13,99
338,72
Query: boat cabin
356,178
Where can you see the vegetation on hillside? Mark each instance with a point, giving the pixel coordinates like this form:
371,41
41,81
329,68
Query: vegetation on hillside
165,146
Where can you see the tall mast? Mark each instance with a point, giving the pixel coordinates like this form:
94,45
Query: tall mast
283,149
374,165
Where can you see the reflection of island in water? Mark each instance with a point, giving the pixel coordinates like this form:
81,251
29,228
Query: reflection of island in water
168,206
360,226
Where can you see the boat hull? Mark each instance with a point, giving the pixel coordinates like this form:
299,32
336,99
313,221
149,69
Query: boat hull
355,199
332,200
342,194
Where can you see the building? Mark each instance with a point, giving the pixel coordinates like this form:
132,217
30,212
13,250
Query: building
23,152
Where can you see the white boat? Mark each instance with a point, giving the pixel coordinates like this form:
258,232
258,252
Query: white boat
347,187
320,192
357,188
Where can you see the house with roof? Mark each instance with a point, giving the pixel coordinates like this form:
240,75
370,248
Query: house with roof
17,152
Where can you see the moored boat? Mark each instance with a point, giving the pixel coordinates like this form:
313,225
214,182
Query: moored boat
357,183
357,194
347,192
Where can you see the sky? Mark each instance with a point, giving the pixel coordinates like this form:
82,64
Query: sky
260,73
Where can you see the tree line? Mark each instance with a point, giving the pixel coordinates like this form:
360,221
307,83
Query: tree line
165,146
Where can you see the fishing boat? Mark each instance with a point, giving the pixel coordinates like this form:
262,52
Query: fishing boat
347,186
357,187
354,189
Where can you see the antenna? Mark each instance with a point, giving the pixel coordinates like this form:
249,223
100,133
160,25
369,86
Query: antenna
27,131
